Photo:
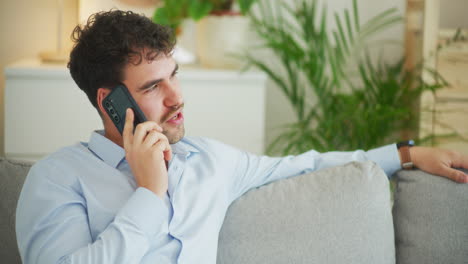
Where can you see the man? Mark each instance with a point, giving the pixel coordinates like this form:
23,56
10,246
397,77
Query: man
152,195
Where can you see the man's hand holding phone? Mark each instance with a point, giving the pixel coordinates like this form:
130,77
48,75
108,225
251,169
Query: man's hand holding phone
147,150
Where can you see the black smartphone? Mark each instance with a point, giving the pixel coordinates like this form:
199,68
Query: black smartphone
116,104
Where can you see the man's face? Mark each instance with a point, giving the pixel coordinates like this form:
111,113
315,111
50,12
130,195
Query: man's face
155,88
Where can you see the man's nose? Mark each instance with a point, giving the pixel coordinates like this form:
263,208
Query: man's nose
173,96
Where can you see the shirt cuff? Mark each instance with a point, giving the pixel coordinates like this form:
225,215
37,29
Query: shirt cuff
387,158
146,211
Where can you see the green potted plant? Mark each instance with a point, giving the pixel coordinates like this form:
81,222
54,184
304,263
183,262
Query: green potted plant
342,97
173,12
220,30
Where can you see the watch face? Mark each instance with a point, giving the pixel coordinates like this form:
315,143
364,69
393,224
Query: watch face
409,143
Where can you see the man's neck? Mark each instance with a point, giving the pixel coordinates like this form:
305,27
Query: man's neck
114,137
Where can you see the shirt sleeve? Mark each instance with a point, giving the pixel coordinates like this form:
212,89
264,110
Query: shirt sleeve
253,171
52,224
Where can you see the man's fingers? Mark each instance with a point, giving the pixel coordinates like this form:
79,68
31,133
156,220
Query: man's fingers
154,136
143,129
454,175
127,133
460,161
168,155
160,143
165,148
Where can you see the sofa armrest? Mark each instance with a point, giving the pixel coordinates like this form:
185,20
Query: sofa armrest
12,176
337,215
431,219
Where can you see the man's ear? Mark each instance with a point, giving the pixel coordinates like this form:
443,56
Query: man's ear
101,94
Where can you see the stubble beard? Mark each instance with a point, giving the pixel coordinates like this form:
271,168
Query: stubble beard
175,136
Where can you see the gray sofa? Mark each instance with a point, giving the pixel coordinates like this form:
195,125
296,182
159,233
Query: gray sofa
338,215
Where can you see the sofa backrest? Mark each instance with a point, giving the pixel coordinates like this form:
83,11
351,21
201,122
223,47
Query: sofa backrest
329,216
337,215
430,219
12,176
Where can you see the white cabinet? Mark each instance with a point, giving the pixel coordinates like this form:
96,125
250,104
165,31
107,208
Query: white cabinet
45,110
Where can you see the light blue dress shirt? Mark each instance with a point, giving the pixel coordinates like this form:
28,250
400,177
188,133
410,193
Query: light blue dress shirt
81,204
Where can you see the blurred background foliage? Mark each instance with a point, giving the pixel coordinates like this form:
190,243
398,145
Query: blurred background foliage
343,96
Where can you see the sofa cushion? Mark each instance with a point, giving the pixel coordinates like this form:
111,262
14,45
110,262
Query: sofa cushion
431,219
338,215
12,176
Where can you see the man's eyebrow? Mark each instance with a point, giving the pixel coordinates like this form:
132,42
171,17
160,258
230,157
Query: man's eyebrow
151,83
176,68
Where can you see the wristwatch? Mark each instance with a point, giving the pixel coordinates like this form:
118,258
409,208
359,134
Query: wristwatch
403,148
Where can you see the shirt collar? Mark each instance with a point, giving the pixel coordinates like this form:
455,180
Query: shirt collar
113,154
183,148
105,149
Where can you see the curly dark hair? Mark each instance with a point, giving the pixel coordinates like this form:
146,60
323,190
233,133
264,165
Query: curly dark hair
109,41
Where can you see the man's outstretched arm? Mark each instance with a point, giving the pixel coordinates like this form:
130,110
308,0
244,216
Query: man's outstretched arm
254,171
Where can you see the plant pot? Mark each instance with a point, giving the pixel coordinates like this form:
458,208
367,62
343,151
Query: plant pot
218,38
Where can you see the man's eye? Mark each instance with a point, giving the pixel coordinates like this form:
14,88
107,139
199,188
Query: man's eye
152,88
174,74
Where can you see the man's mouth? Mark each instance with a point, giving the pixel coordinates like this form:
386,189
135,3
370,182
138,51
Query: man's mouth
175,116
176,119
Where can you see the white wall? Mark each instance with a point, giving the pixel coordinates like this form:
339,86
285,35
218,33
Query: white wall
453,13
